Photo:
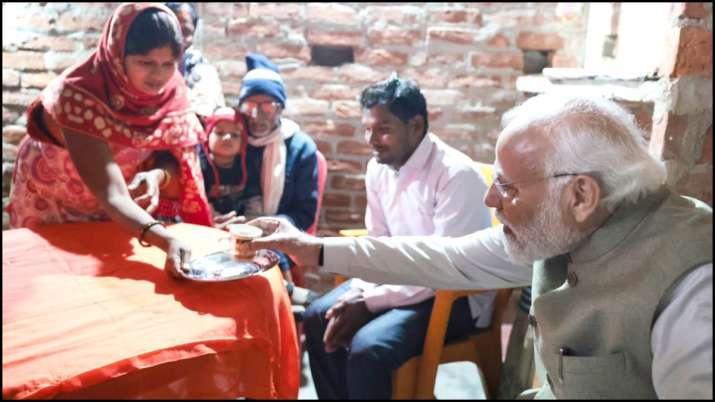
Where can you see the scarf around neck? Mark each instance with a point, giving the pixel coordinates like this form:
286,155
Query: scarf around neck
96,98
273,164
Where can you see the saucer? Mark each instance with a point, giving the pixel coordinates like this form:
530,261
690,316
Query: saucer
222,266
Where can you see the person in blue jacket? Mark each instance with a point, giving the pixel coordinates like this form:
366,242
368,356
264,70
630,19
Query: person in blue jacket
280,159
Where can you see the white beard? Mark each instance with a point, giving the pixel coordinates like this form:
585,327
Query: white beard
545,236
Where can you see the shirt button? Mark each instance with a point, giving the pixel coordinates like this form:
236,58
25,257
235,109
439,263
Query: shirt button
572,279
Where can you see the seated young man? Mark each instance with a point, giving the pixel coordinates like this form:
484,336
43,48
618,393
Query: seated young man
417,185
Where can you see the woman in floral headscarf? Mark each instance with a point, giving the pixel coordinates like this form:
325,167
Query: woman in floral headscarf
121,115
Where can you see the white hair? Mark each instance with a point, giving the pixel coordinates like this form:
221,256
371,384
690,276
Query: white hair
591,135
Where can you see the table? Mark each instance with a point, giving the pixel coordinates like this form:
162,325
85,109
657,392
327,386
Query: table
89,313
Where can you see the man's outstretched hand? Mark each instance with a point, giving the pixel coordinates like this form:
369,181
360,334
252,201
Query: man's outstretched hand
280,234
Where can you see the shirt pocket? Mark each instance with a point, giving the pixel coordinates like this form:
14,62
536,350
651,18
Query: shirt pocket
590,377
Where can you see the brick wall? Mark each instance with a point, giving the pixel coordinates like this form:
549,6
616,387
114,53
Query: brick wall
682,123
466,57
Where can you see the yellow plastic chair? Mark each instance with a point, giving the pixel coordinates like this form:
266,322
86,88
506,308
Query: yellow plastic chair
415,379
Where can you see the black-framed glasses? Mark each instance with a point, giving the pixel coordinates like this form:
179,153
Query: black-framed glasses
508,189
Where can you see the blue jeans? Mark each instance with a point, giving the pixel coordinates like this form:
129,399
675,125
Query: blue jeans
382,345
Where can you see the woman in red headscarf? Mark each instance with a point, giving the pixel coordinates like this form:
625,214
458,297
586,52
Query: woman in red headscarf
122,115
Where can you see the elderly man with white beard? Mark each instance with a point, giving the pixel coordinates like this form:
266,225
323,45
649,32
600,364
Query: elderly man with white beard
620,267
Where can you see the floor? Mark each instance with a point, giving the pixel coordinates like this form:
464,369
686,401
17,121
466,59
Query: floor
454,381
459,380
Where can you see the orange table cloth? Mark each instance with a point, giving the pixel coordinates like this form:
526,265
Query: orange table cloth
89,313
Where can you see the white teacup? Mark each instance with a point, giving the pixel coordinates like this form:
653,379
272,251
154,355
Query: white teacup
241,235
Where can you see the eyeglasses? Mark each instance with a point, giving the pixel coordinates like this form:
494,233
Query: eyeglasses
251,108
508,190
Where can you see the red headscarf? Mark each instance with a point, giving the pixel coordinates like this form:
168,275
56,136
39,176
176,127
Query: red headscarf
232,115
96,98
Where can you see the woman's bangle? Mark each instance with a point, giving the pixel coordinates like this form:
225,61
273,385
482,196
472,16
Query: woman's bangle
167,178
145,229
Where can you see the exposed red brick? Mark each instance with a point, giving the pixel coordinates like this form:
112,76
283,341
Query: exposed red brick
694,55
352,147
13,134
231,69
667,136
347,109
39,80
309,73
41,23
539,41
523,19
325,232
472,81
90,41
23,60
220,9
393,36
253,27
56,43
58,62
427,77
241,9
345,39
336,200
462,132
457,16
231,87
360,202
340,182
10,115
284,50
434,113
289,11
10,78
382,57
347,218
506,59
345,166
707,154
458,36
499,40
331,13
643,113
82,21
467,149
479,114
689,10
697,183
560,59
325,148
443,97
393,15
22,99
329,128
336,92
9,151
356,73
306,106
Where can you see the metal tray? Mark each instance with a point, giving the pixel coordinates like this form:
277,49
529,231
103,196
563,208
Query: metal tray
222,266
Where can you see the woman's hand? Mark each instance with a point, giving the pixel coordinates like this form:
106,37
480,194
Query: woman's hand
145,187
178,255
222,221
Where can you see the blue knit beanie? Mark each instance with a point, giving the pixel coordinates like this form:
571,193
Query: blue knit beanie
262,78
